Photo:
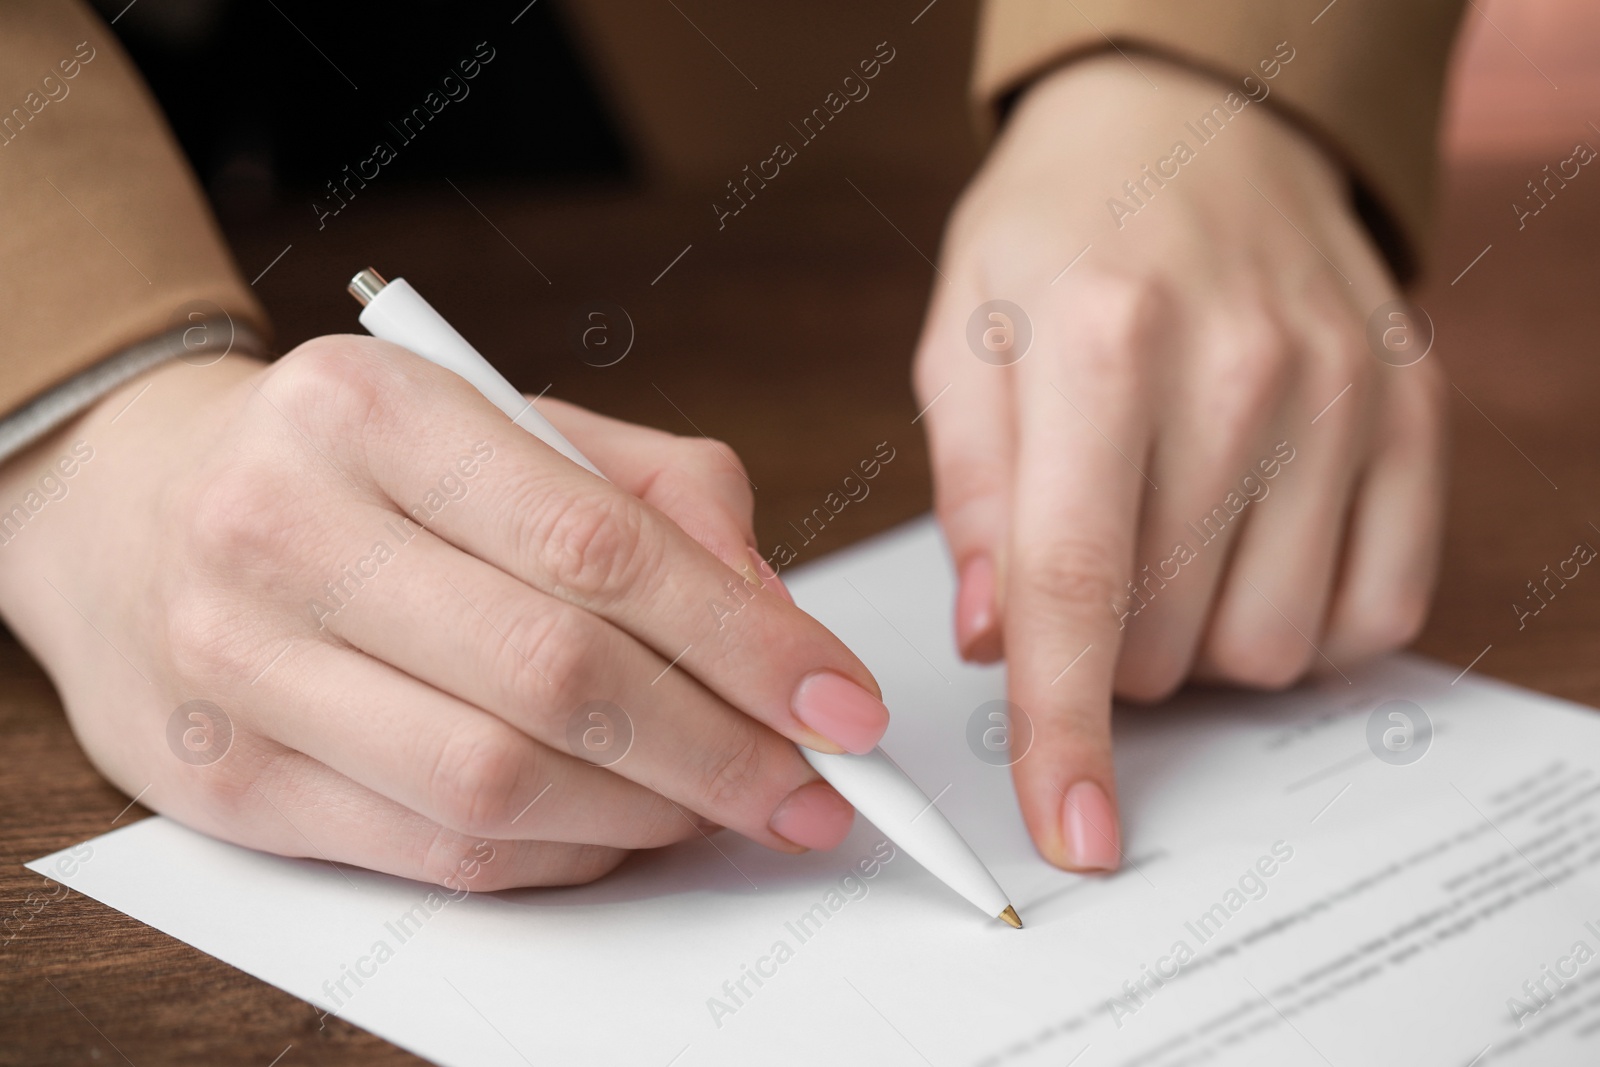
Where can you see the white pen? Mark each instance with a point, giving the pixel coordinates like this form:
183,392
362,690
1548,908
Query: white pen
873,783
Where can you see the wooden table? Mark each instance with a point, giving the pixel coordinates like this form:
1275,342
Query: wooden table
786,335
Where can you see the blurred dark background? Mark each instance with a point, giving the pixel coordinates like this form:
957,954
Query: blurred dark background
268,98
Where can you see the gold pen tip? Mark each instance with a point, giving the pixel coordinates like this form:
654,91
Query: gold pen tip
1010,917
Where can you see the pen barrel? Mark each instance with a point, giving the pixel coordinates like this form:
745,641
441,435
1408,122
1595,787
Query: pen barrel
398,314
873,783
887,796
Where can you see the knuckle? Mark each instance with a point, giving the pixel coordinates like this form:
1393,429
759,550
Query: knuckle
736,772
580,865
236,519
329,380
1262,659
969,522
712,458
545,656
449,854
704,466
238,804
1116,312
662,825
474,780
1080,574
1254,372
1076,731
966,477
595,546
230,799
206,642
552,864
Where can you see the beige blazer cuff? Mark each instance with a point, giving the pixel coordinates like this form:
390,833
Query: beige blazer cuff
1366,80
105,238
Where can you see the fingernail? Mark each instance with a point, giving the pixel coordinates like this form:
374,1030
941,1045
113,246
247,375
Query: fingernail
1089,827
767,575
977,621
813,816
840,710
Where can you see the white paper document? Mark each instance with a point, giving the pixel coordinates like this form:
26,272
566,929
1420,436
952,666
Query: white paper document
1299,888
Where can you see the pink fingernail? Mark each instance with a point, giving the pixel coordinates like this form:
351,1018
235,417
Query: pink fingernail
769,576
1089,827
977,622
813,816
840,710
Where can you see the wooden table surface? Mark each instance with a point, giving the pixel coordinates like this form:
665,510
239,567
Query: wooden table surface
788,336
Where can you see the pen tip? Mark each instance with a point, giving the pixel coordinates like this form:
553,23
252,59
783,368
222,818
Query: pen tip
1010,917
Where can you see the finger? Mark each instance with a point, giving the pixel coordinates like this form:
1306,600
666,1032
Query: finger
557,528
546,669
1215,472
1079,485
1392,549
966,406
296,806
1267,626
451,763
696,482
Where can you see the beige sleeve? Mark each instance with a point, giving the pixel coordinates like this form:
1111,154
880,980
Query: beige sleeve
105,238
1366,79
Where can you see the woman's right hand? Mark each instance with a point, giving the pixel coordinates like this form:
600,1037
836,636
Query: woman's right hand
340,607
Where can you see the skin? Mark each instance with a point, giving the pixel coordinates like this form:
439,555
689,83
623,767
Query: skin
420,724
424,724
1170,361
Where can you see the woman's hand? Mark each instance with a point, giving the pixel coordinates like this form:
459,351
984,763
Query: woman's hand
1197,467
341,607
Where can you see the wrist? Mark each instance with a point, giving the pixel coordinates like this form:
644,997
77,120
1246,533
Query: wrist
1107,105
